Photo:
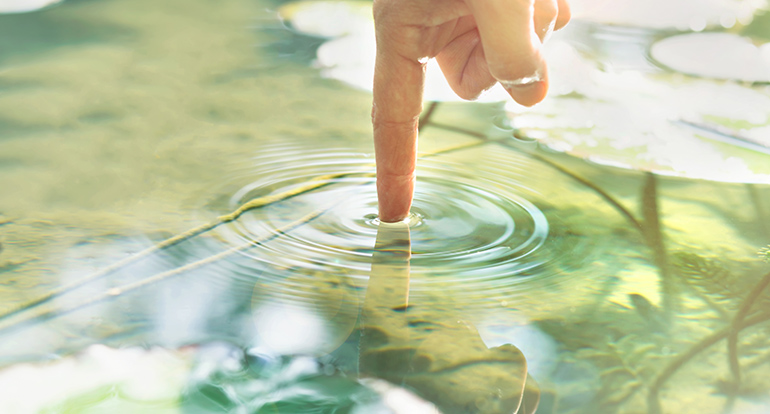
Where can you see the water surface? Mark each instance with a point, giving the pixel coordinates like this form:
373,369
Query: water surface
526,277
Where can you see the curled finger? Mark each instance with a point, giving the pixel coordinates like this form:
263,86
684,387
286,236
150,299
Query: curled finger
564,14
545,16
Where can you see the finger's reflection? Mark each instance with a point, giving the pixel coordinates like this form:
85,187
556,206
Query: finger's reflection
435,353
387,298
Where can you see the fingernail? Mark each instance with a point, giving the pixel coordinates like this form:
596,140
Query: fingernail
528,94
523,87
527,80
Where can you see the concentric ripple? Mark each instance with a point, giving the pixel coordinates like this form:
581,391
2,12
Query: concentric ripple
476,228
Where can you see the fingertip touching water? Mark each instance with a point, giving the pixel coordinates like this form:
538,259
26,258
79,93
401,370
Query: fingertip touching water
286,296
477,44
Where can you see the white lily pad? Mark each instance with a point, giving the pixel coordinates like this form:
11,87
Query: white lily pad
668,14
138,375
715,55
662,123
329,18
24,6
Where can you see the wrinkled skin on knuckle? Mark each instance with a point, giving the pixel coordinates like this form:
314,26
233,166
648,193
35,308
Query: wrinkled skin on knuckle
381,124
471,90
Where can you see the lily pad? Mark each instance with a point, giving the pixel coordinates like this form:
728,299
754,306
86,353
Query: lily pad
24,6
715,55
339,18
668,14
97,376
657,122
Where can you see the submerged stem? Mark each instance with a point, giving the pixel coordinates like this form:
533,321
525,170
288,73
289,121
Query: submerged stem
654,236
425,118
759,207
598,190
732,340
311,185
653,403
603,194
52,313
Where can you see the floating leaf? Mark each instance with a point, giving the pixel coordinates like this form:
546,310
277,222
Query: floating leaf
667,14
656,122
24,6
715,55
98,375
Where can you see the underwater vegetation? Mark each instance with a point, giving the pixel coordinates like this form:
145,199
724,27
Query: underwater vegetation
615,355
644,294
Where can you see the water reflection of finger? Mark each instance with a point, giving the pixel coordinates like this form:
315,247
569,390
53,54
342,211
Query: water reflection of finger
387,295
445,362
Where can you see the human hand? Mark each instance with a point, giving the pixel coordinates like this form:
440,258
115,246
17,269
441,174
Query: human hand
477,43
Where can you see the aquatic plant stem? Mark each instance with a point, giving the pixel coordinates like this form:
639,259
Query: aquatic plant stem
759,207
732,340
426,116
460,130
653,402
600,192
654,236
117,291
313,184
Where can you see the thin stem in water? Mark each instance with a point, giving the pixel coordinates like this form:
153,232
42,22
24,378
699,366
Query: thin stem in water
653,402
732,340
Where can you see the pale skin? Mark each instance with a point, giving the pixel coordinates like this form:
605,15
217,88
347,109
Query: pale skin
477,43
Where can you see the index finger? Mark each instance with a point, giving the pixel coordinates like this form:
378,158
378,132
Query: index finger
398,87
511,47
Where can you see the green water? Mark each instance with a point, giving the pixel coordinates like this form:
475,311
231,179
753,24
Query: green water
526,276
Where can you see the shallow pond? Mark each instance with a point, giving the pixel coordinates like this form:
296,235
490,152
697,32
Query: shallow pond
188,222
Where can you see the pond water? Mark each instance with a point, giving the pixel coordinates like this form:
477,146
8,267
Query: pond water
188,225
